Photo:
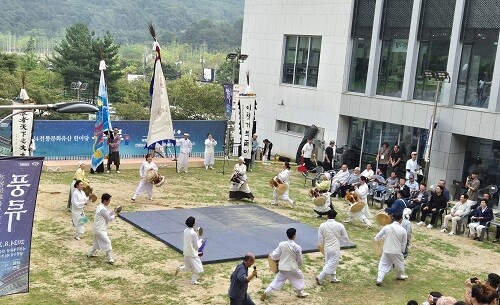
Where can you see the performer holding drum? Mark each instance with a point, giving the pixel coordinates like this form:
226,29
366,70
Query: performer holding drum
78,202
321,196
281,185
362,191
145,184
80,175
239,188
191,251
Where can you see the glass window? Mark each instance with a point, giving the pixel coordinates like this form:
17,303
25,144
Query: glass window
301,61
359,64
392,67
284,126
476,71
371,143
432,55
390,134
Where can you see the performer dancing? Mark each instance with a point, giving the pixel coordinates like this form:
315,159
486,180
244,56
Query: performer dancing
289,255
323,188
284,176
364,214
394,246
209,152
240,189
78,201
330,235
192,260
79,175
145,185
101,221
185,149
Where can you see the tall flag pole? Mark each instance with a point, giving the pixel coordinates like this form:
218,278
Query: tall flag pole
160,130
102,121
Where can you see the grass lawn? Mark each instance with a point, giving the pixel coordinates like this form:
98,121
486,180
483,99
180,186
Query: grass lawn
144,269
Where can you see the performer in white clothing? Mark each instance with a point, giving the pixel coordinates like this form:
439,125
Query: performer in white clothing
192,259
364,214
289,255
78,202
209,152
330,235
145,185
239,188
394,245
307,152
284,176
101,221
185,146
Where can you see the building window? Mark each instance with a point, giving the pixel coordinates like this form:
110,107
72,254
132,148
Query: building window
476,71
293,128
301,61
432,55
392,67
359,64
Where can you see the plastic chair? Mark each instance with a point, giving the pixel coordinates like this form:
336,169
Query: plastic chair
372,189
313,175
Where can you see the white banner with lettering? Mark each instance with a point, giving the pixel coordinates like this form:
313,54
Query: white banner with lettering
247,114
22,128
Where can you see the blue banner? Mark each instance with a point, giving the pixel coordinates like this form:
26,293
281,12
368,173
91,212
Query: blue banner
19,178
73,139
228,100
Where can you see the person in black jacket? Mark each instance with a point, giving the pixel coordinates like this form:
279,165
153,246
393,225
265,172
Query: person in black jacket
417,200
328,158
481,216
437,202
403,189
266,155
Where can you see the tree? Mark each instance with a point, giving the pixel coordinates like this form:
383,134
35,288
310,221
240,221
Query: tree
131,111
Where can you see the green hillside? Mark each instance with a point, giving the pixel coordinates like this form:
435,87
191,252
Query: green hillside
126,20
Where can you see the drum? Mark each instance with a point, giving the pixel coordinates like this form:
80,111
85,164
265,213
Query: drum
237,178
383,218
118,209
273,265
351,197
92,197
200,231
151,175
279,185
274,182
314,192
159,181
87,190
378,247
357,207
321,248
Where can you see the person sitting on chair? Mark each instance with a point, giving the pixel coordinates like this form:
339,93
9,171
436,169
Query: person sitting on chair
340,178
398,206
461,209
351,182
437,202
482,215
405,192
417,200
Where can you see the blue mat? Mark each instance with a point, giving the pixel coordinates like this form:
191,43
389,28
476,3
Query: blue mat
231,231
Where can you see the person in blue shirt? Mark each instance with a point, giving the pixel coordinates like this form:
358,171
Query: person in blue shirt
398,206
239,282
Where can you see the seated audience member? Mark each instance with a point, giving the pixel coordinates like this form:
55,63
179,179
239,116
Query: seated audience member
368,172
351,182
401,187
474,206
412,184
481,216
460,210
340,178
393,180
417,200
446,193
436,203
446,301
432,298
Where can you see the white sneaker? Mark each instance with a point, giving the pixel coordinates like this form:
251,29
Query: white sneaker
195,283
347,221
108,172
421,223
185,172
292,204
302,294
452,233
133,199
443,230
111,261
211,167
429,226
335,280
117,172
150,198
274,203
402,277
206,167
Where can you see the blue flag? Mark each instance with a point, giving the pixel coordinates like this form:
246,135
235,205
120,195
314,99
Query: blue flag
102,121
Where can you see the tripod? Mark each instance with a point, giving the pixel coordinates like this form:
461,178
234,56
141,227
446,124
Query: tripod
226,157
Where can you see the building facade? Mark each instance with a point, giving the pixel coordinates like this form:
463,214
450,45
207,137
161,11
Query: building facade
355,69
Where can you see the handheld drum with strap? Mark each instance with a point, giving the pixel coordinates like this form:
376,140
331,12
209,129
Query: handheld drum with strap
278,184
357,207
378,247
273,265
383,218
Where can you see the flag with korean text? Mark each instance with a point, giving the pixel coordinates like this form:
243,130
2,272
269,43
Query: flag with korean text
102,121
19,179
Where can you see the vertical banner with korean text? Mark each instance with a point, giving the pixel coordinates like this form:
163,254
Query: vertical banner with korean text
19,178
247,112
228,100
22,127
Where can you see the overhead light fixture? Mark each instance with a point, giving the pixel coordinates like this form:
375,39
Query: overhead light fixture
231,56
242,57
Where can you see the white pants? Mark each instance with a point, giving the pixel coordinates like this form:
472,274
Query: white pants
387,261
79,227
295,277
146,186
209,159
285,196
359,215
454,220
194,264
331,264
476,228
183,162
